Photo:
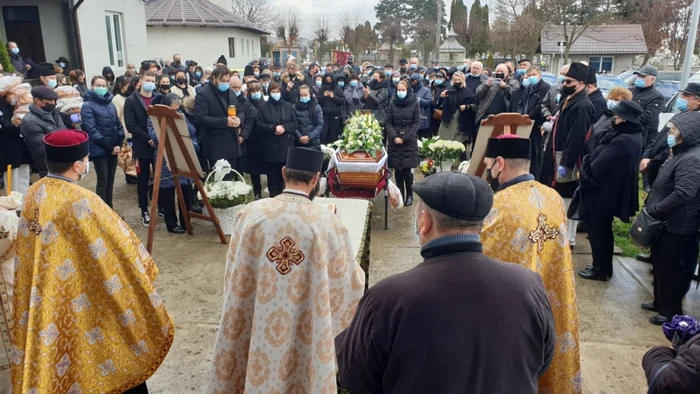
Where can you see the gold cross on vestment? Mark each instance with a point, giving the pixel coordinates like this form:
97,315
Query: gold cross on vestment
542,233
285,256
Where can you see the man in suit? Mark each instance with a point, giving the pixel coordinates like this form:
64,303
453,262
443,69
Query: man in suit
531,104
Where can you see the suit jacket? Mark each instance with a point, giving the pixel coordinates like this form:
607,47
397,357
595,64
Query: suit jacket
531,103
211,112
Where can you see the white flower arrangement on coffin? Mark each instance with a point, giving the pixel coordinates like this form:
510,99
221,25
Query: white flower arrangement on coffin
363,133
327,152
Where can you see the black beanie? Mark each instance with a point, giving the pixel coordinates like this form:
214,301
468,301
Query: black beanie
222,60
591,78
578,71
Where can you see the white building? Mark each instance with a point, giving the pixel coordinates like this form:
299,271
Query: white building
451,52
201,30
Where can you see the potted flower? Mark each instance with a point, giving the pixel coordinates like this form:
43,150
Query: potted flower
446,152
226,197
427,167
424,147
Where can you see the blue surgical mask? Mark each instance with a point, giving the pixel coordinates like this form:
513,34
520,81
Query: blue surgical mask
319,83
353,84
265,85
533,80
671,140
62,65
100,91
341,84
237,92
223,86
427,78
561,78
52,83
75,118
395,80
198,74
520,71
682,104
612,104
401,95
640,83
149,86
388,73
526,82
14,51
276,96
305,100
475,75
277,74
256,96
439,81
307,69
413,67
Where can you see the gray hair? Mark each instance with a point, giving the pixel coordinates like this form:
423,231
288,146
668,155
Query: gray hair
444,222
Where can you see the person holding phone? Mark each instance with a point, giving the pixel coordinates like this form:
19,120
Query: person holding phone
457,112
494,95
332,103
376,96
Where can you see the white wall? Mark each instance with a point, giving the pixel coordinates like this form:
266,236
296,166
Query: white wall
93,33
54,30
620,62
202,44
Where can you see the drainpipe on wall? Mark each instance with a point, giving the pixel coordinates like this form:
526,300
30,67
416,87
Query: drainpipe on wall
76,32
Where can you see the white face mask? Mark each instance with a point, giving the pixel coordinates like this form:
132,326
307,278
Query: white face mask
87,170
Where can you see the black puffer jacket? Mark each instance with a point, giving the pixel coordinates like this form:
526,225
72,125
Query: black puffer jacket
651,101
674,196
403,121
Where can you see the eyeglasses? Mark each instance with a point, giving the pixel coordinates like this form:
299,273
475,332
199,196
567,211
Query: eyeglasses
568,81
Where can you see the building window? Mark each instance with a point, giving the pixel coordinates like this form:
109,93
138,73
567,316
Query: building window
115,44
247,43
601,63
231,47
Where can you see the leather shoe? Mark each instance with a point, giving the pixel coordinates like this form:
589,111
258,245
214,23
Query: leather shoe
658,320
594,274
590,267
649,306
409,201
644,258
258,197
177,230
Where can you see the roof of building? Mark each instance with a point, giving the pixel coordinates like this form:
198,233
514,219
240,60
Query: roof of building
197,13
451,44
599,39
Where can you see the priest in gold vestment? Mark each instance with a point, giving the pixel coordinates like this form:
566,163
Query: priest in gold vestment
527,226
86,316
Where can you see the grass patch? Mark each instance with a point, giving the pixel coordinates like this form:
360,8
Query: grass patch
621,230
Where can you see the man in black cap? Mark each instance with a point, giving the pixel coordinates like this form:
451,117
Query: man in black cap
409,334
355,68
47,74
307,290
652,102
64,64
42,119
595,95
526,227
276,72
569,136
403,66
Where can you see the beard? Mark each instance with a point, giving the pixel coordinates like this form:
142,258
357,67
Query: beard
315,191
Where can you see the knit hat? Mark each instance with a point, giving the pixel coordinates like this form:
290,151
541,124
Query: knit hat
66,146
591,79
222,60
578,71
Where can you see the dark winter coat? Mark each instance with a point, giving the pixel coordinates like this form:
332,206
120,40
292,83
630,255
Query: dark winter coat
674,196
610,178
676,371
333,110
270,115
211,112
102,123
551,101
13,151
378,99
353,99
569,136
531,103
403,121
652,102
166,177
425,99
485,95
457,97
291,96
254,143
657,153
599,129
599,104
35,125
18,63
408,334
310,123
136,120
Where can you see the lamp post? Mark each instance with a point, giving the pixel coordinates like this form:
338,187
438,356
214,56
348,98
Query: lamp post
690,45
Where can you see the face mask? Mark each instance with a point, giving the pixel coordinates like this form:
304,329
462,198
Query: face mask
353,84
526,82
426,78
558,97
256,74
457,84
401,95
561,78
319,83
439,81
87,170
671,141
62,65
148,86
277,74
341,84
568,90
475,75
237,92
198,74
49,107
388,72
395,80
100,91
256,96
276,96
244,87
640,83
493,181
682,104
520,72
307,69
612,104
265,85
223,86
181,81
350,62
52,83
533,80
413,67
305,100
75,118
164,87
14,51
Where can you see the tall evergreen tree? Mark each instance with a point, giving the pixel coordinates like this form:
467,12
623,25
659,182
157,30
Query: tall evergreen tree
460,23
478,28
5,58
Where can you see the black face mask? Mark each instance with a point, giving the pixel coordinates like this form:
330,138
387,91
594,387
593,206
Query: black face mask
181,81
49,107
373,84
568,90
164,87
501,76
491,180
457,84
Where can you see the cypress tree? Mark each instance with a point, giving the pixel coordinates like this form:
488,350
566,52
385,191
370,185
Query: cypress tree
5,58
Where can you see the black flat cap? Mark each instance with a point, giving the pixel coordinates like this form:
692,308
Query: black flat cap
44,92
524,60
457,195
591,79
578,71
508,146
647,70
403,61
628,110
692,88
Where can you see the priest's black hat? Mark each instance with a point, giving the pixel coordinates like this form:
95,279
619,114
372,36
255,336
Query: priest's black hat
457,195
45,69
508,146
591,79
304,159
66,146
222,60
578,71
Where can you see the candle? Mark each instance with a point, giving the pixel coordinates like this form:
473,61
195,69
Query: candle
8,187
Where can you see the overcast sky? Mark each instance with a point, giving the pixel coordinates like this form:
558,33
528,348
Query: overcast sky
333,10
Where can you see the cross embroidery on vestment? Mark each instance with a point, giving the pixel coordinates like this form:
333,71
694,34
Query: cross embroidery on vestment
542,233
285,256
33,224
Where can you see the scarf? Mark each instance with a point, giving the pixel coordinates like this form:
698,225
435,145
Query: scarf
455,98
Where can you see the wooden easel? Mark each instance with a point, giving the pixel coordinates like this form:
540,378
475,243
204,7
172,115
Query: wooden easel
505,123
166,118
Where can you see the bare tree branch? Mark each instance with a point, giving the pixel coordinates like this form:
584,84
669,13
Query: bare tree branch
256,11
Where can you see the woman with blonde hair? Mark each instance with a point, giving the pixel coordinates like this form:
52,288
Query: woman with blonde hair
604,124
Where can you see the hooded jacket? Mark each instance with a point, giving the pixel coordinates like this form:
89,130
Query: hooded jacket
35,125
106,71
310,123
101,122
674,196
425,100
353,97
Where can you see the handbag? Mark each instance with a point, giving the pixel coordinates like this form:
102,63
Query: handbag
646,230
571,176
437,114
577,209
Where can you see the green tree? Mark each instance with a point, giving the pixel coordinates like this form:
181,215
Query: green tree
490,62
459,22
5,58
479,28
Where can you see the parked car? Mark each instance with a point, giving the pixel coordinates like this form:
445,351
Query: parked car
550,78
607,82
